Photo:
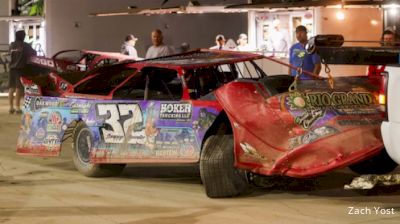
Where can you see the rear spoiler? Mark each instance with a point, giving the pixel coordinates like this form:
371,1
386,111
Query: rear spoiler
43,62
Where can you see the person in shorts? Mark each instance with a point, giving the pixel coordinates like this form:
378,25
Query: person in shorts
20,54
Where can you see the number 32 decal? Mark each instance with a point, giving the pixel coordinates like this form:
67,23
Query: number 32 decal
124,120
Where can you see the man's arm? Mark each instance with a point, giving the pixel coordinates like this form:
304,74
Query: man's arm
316,59
290,61
317,69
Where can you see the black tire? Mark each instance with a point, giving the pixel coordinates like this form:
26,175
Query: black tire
218,174
379,164
83,139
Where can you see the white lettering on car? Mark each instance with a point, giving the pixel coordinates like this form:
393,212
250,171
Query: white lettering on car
122,130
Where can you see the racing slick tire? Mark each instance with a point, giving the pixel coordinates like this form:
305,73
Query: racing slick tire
218,174
379,164
83,140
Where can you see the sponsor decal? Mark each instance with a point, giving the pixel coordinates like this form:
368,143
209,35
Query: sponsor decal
32,89
312,136
315,104
72,68
63,86
123,123
204,121
40,133
325,99
251,151
178,111
40,103
51,141
55,122
80,108
43,61
166,153
309,117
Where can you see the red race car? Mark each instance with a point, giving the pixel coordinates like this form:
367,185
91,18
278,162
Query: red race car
216,108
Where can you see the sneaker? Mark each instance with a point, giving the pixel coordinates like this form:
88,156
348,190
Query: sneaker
18,112
11,111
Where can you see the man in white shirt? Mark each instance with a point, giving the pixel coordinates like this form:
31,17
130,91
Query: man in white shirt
159,49
279,40
128,47
243,44
220,41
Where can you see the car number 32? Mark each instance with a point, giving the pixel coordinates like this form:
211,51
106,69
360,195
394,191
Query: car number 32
124,120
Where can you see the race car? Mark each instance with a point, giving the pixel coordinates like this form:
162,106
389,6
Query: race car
219,109
56,75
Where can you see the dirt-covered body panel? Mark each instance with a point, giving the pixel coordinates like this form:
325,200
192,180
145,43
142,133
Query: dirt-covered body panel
305,132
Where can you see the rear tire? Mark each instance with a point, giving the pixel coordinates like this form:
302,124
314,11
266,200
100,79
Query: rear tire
379,164
218,174
83,140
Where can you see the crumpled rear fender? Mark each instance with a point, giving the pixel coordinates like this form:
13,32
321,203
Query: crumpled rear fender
266,134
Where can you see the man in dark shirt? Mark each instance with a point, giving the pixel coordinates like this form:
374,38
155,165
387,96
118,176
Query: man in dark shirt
20,54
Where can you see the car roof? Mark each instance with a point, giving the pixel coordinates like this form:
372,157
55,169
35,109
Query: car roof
199,58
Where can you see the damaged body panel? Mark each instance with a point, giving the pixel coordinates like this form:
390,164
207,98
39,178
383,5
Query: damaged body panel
306,132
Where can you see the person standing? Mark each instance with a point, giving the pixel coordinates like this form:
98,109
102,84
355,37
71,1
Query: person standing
243,43
128,47
220,41
158,49
278,41
20,54
298,56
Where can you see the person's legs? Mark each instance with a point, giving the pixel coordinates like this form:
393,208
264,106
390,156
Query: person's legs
11,99
11,85
19,92
18,95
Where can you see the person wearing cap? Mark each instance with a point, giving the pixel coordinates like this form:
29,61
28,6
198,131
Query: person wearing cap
220,41
158,49
242,43
298,56
21,53
128,47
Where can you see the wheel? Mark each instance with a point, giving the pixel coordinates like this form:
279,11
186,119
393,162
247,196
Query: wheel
83,140
379,164
218,174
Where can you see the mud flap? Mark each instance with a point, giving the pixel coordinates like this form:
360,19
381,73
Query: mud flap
370,181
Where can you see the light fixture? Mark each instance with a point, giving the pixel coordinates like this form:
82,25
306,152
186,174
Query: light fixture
374,22
340,15
393,11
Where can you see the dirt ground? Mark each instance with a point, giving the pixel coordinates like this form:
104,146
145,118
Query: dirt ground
39,190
